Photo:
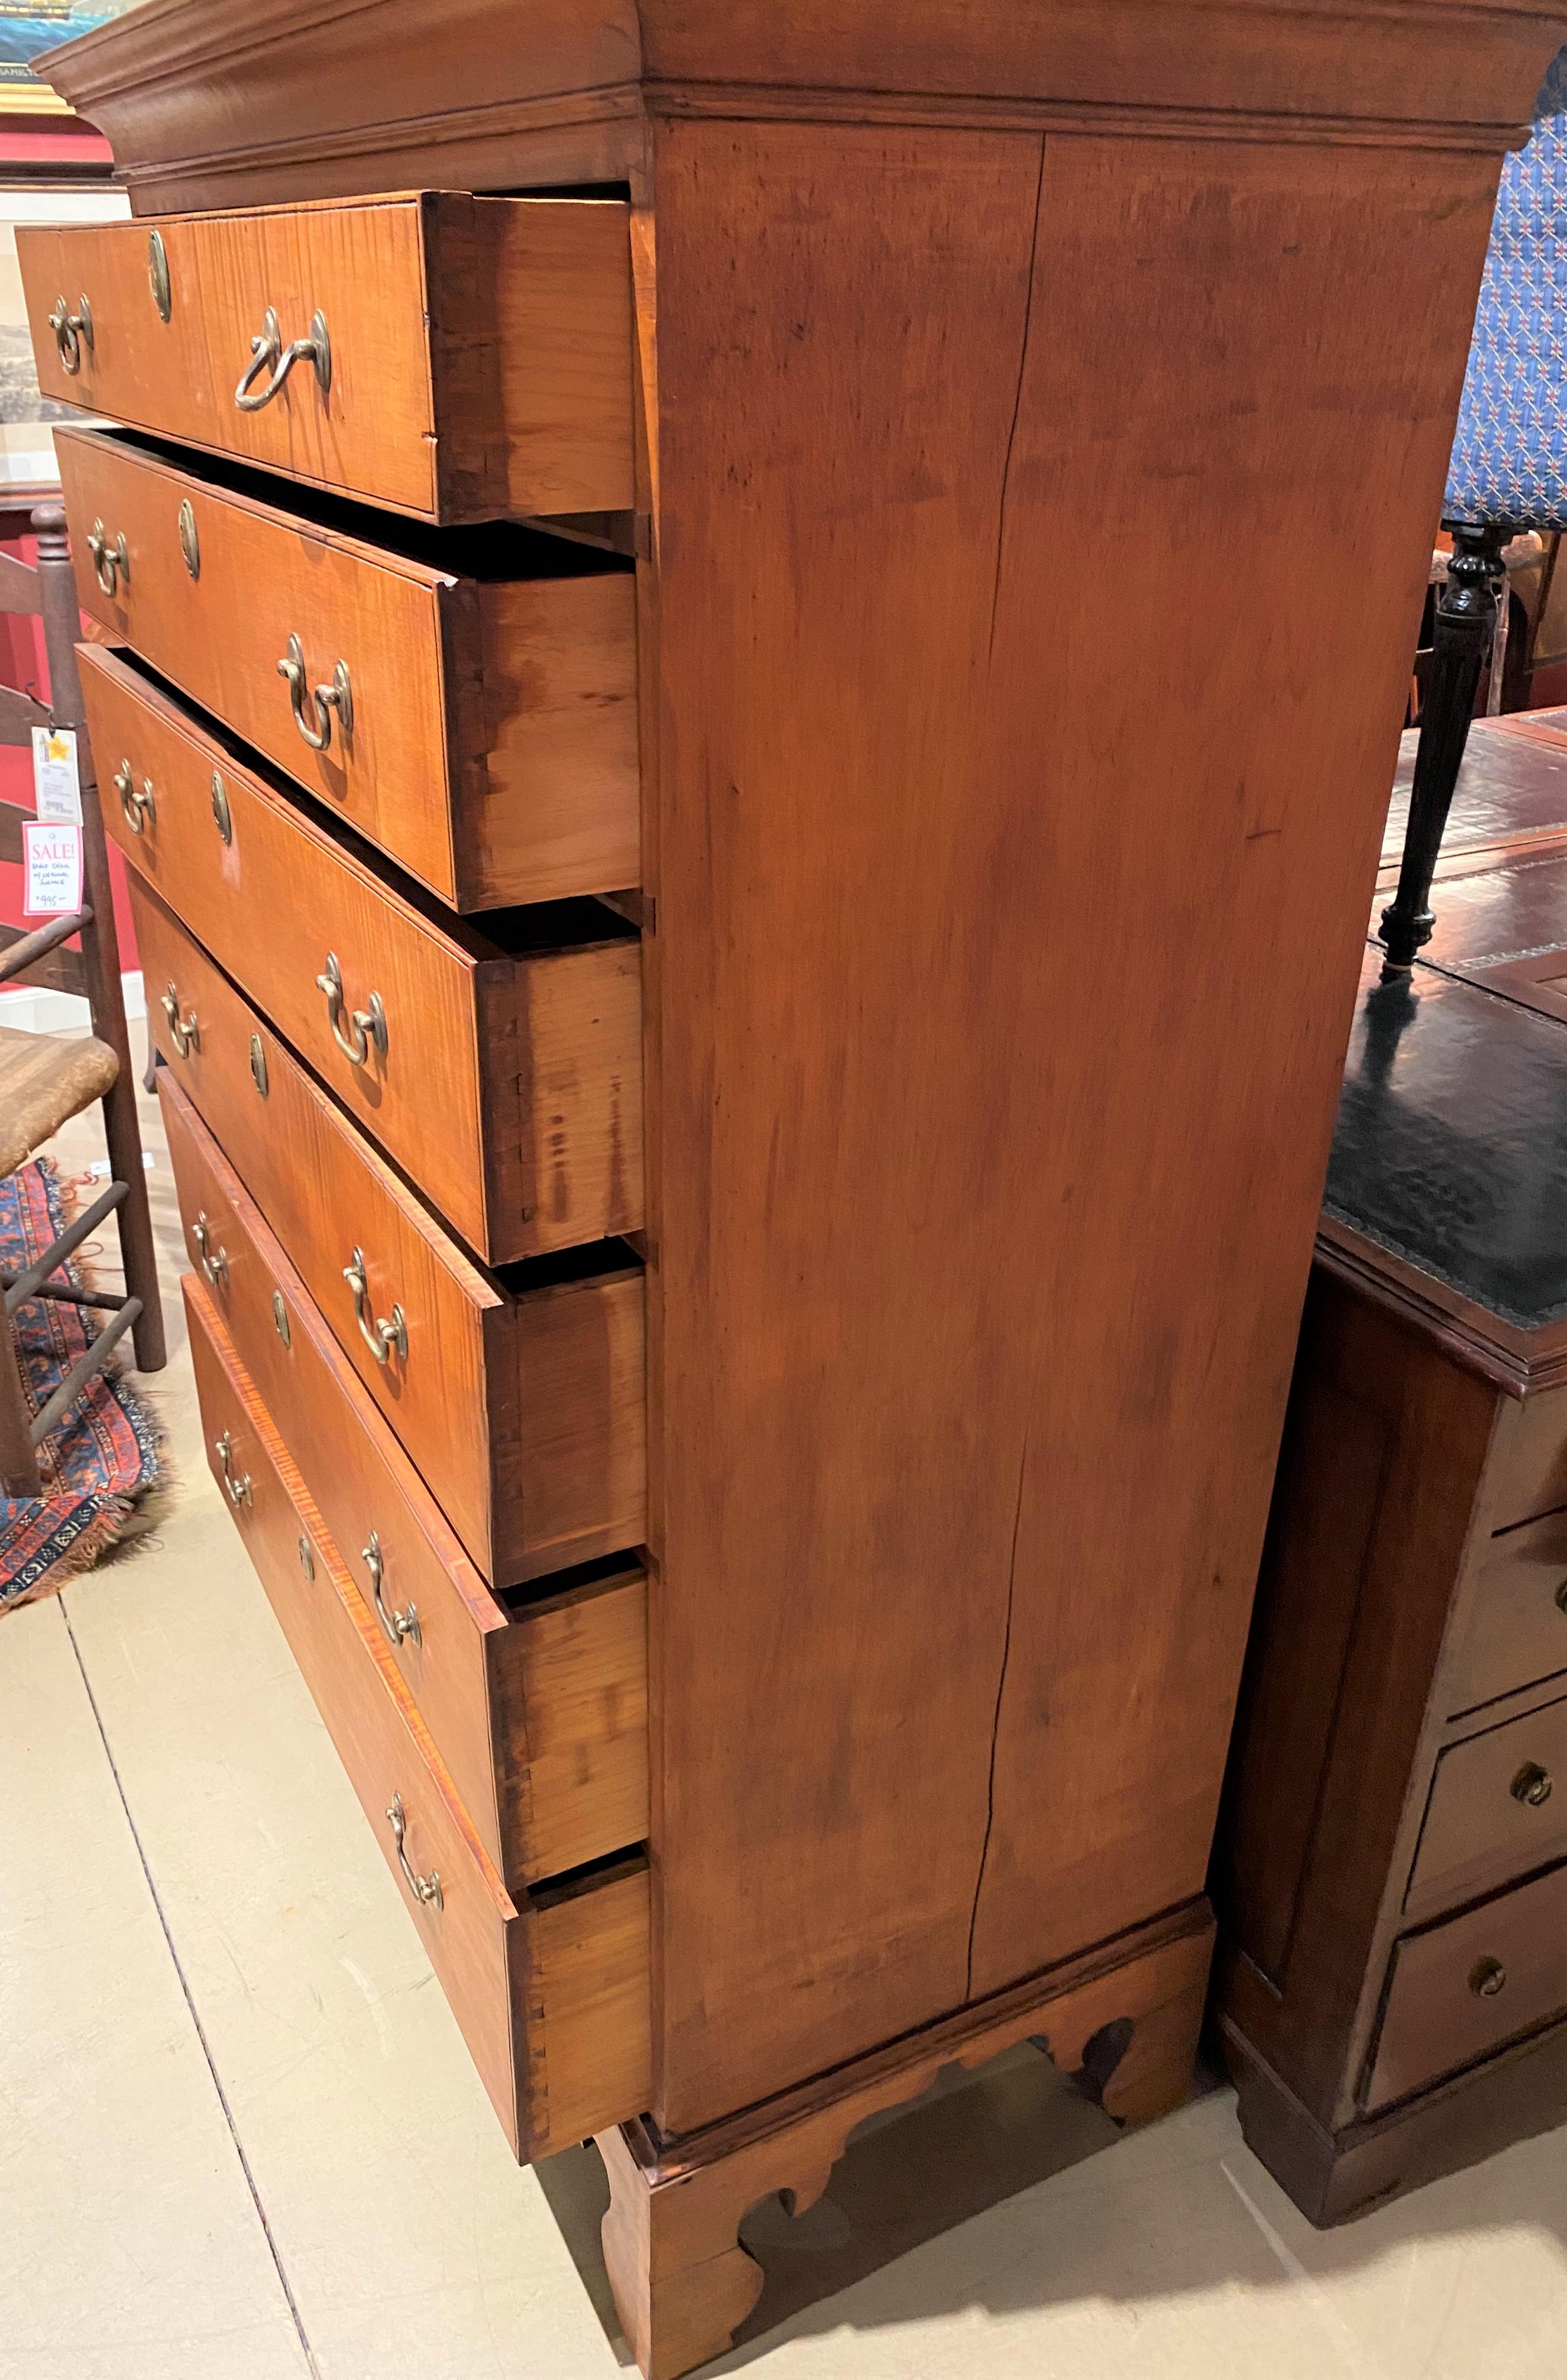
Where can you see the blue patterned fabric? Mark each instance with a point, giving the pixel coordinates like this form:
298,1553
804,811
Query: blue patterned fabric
1509,456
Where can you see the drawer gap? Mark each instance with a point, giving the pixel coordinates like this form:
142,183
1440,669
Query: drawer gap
587,1878
496,553
535,1594
1528,1522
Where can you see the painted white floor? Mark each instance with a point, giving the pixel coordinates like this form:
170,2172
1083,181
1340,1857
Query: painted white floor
241,2139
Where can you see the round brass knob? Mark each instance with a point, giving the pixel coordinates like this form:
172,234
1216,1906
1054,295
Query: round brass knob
1532,1786
1489,1978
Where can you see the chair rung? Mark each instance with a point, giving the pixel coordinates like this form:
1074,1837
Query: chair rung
70,1388
25,1283
64,1295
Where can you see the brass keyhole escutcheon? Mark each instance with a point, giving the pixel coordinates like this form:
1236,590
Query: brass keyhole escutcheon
189,539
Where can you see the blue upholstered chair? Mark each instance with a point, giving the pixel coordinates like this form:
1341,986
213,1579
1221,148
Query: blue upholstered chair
1508,473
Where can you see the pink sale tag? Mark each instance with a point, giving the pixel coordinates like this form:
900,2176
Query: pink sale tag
52,858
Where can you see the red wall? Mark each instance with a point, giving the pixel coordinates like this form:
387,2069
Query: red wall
22,663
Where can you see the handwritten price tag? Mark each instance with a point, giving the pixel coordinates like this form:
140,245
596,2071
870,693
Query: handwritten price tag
52,861
56,779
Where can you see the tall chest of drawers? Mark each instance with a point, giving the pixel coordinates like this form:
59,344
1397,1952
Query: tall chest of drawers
749,1095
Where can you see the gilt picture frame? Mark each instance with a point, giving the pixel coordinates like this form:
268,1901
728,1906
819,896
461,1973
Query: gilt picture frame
27,29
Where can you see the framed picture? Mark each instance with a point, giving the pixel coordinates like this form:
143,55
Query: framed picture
27,450
30,27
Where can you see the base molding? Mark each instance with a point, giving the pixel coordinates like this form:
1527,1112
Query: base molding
1333,2177
1125,2018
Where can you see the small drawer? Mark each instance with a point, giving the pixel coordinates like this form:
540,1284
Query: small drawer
502,1070
1462,1989
539,1707
519,1395
456,358
551,1991
1526,1472
477,710
1515,1633
1497,1808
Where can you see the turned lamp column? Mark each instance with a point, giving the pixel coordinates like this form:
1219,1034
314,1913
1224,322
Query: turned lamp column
1465,627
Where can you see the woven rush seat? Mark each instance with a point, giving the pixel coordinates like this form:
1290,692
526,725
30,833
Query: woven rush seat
44,1083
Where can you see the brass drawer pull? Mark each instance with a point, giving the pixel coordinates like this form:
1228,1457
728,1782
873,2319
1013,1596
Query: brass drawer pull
307,1558
72,332
338,696
368,1024
280,1322
214,1264
237,1490
259,1065
380,1337
189,539
185,1032
221,815
425,1889
1489,1978
268,354
1532,1786
138,805
395,1625
158,275
111,564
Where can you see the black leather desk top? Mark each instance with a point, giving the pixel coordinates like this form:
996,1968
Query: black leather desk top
1451,1141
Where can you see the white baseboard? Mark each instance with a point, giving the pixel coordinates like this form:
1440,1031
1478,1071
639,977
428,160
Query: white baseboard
31,1008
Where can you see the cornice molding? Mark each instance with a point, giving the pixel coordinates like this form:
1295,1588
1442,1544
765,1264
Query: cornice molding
217,96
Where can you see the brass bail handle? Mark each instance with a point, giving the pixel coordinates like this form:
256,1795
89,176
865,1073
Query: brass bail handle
237,1489
366,1025
425,1889
184,1031
325,699
380,1336
269,355
110,563
214,1262
136,801
396,1626
72,332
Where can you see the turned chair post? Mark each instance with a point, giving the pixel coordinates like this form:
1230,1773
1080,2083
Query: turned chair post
1466,626
100,946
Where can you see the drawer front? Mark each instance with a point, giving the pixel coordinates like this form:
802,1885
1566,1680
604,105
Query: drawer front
523,1410
508,1088
540,1716
1526,1474
1497,1808
552,1999
326,1194
476,359
275,901
525,789
1515,1633
1465,1988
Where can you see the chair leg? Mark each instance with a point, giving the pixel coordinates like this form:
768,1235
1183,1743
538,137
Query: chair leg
18,1463
1465,623
137,1251
99,945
